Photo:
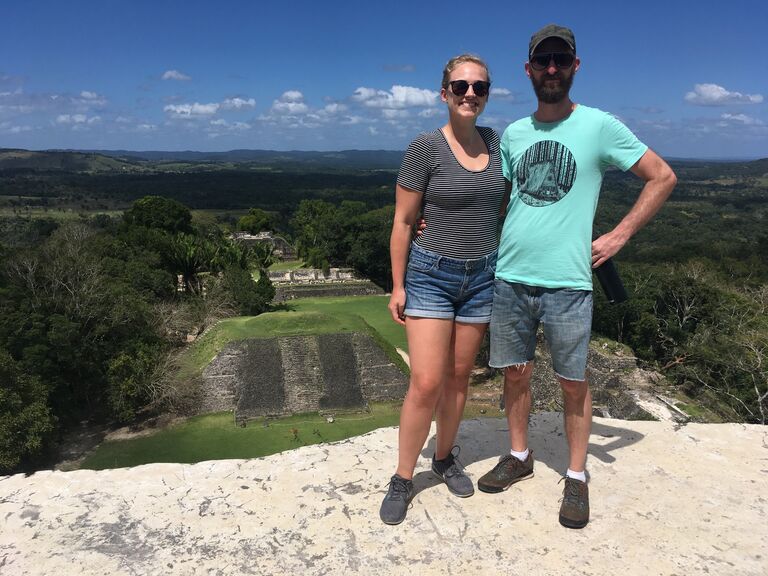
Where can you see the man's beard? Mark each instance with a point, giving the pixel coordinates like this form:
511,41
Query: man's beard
552,94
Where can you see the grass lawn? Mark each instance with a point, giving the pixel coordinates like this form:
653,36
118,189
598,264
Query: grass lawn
269,325
286,265
372,308
304,316
215,437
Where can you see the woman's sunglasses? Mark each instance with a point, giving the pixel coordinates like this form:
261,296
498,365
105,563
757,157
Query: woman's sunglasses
561,59
460,87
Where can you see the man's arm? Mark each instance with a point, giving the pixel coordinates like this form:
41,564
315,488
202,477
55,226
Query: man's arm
659,183
505,199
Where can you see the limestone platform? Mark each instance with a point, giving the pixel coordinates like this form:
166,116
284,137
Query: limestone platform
666,499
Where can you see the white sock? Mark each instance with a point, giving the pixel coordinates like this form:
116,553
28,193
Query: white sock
522,456
577,475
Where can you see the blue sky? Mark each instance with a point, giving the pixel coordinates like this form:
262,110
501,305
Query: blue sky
690,78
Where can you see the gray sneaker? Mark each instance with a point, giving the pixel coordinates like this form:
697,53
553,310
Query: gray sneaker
452,473
395,504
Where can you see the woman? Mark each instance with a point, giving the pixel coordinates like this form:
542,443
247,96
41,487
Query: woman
443,281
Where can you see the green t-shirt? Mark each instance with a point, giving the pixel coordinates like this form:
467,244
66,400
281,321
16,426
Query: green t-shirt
556,169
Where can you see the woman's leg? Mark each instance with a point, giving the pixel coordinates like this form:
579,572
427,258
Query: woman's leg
465,343
429,351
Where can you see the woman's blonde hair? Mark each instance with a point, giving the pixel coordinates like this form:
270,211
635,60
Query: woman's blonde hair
456,61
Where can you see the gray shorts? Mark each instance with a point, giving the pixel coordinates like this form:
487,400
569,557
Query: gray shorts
565,314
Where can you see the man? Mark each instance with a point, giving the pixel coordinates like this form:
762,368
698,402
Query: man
553,162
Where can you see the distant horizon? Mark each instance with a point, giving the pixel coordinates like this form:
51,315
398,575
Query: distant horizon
234,75
191,151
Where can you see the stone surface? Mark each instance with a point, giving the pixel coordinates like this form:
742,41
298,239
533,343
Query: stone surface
666,499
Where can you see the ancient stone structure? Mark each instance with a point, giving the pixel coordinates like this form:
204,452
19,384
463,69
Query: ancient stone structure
280,246
295,374
312,276
285,292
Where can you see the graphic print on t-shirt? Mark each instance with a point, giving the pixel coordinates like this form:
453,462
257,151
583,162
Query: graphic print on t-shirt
545,173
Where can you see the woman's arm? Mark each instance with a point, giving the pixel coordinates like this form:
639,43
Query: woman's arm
407,209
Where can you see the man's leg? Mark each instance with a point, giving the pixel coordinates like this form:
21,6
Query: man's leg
513,344
578,421
518,465
574,508
567,327
517,401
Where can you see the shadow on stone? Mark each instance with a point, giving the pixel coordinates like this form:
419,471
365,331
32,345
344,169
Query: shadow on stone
546,437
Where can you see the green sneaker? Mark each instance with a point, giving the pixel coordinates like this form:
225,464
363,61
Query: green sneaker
574,511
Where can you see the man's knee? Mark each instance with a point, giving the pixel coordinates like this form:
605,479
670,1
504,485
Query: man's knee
573,388
518,375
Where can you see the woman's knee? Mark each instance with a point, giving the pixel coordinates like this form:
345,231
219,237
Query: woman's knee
424,390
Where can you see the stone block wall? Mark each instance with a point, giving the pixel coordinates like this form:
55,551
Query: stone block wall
302,371
284,292
295,374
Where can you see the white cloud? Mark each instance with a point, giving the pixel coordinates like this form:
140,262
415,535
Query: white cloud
714,95
71,119
291,103
220,123
292,96
397,97
174,75
292,108
741,119
19,129
334,108
86,101
504,94
237,103
194,110
77,121
14,109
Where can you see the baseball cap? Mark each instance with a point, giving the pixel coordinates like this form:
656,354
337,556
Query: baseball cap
552,31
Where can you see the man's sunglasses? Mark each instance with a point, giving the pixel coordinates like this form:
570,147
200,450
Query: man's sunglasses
460,87
561,59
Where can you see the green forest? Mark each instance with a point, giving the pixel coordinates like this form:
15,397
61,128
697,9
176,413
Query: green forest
106,272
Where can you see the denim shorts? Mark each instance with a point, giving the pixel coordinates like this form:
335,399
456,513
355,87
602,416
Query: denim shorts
441,287
566,316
